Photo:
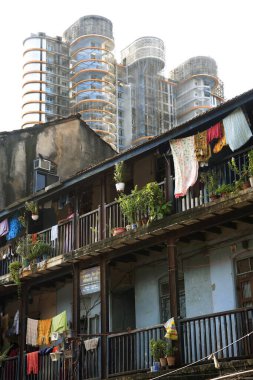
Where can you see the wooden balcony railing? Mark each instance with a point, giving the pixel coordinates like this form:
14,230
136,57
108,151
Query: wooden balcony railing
204,335
99,223
9,368
130,352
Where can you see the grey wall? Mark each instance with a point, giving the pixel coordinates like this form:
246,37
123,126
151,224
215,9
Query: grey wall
69,143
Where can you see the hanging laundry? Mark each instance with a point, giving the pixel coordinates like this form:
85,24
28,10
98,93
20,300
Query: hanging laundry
5,322
32,332
59,323
171,331
202,149
44,328
91,344
14,330
220,144
4,227
33,363
54,232
215,132
185,163
15,227
237,130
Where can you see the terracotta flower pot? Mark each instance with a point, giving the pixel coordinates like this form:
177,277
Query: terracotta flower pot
118,230
163,362
171,361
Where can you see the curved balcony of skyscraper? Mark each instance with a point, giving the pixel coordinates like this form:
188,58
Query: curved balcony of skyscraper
150,49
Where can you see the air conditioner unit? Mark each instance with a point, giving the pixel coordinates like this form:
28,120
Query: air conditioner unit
40,163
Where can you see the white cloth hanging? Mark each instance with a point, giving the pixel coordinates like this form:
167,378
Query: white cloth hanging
91,344
185,164
54,232
237,130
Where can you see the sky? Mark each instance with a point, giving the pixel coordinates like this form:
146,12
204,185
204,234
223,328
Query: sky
221,29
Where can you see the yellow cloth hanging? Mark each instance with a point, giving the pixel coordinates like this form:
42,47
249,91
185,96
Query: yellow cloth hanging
202,149
219,145
44,328
171,331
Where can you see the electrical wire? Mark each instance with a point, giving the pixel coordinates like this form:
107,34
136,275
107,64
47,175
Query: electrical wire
205,358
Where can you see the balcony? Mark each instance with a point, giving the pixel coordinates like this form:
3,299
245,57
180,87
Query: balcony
228,334
78,235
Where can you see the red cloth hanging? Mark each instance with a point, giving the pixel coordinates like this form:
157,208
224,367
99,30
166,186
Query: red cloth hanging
215,132
33,363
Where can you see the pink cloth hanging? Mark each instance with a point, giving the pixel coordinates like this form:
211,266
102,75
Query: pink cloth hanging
4,227
185,164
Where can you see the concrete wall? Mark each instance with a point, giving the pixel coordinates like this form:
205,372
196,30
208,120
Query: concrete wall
69,143
147,305
222,280
64,300
198,296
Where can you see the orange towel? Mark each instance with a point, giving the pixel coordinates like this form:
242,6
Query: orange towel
44,327
33,363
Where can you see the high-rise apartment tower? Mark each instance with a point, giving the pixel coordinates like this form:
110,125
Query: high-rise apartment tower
126,103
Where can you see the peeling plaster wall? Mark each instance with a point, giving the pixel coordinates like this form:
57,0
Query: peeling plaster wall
69,143
223,280
147,303
197,281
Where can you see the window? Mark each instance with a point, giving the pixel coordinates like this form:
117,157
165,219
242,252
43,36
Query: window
165,312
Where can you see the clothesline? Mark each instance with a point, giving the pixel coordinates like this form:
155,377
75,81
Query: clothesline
190,152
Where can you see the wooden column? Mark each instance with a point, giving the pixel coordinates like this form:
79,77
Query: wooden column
104,315
169,182
76,221
102,220
173,289
76,298
23,310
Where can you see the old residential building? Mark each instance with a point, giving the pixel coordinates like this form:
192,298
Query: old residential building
116,291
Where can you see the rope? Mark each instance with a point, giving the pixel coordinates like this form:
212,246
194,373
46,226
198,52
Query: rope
200,360
233,374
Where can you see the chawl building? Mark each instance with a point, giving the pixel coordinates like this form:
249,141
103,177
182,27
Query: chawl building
88,306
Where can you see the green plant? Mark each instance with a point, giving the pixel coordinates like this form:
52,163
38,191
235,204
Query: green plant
170,350
32,207
119,173
155,202
39,248
241,176
31,250
250,163
158,348
128,205
14,269
210,179
24,246
225,188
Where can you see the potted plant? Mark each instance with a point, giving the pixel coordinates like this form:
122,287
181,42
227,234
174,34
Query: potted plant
119,176
33,208
170,356
210,180
14,269
40,249
154,201
128,205
250,167
241,176
158,349
224,189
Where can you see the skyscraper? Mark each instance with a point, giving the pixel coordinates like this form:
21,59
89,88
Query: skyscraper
126,103
92,74
45,79
198,87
